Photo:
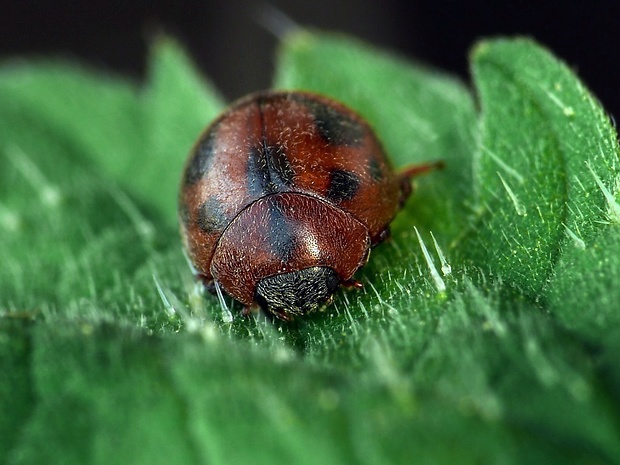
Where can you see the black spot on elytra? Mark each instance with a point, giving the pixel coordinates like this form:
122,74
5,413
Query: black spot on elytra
335,126
376,172
200,161
269,170
211,216
343,185
281,234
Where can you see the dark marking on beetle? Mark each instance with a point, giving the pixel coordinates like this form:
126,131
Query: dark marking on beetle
333,125
200,161
279,166
269,170
337,128
282,237
211,217
375,169
343,185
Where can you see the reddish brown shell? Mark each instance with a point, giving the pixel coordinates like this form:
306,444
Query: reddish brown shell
279,144
341,245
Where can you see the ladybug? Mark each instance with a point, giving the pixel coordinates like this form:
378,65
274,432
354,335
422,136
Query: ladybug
282,198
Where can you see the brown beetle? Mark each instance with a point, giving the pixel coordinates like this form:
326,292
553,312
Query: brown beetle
282,198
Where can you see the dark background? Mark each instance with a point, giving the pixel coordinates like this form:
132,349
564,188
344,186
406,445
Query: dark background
232,47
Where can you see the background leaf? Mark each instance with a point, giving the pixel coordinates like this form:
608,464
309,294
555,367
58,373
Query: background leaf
99,114
593,310
178,105
544,143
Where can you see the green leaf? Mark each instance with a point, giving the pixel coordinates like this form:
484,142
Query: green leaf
139,399
122,407
16,391
510,364
60,220
99,114
586,278
544,144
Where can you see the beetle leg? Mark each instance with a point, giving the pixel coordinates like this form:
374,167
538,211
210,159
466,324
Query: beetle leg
210,286
208,283
352,283
407,174
384,235
250,310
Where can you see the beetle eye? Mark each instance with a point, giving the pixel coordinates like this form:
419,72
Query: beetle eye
297,292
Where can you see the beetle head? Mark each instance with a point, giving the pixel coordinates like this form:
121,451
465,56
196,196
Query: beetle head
295,293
